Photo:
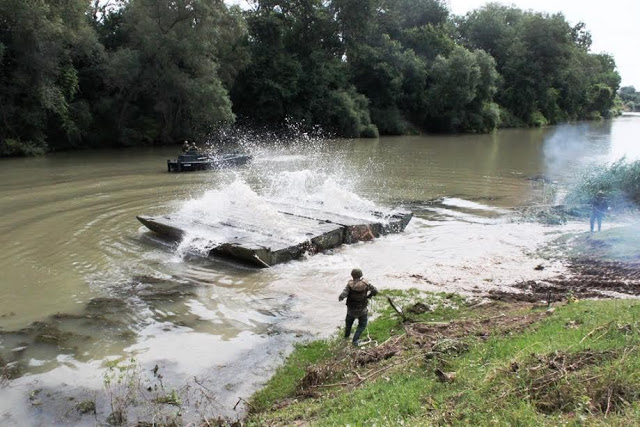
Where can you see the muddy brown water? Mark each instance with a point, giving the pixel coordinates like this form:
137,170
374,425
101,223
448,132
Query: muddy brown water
83,283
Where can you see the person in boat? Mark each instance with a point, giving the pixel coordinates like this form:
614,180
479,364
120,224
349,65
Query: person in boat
185,147
193,148
357,292
598,208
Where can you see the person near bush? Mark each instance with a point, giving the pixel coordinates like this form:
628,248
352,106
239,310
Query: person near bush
357,292
598,208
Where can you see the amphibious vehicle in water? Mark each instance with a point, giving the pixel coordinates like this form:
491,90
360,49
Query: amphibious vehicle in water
298,230
195,161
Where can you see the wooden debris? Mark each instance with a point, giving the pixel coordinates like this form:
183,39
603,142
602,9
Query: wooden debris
445,377
397,309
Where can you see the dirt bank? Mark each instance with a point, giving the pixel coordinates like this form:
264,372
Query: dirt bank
602,265
587,278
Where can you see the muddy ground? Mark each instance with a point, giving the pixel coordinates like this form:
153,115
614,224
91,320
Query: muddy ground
587,278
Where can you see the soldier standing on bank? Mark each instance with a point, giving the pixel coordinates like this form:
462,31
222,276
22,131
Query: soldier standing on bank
598,207
357,292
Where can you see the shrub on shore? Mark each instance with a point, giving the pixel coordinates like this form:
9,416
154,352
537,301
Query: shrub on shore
16,148
620,182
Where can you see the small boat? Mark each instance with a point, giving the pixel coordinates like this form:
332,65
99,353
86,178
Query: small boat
195,161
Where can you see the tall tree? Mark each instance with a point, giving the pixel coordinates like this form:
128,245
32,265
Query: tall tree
548,74
164,80
630,97
390,63
461,92
41,42
297,70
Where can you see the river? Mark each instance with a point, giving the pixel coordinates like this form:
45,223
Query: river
83,285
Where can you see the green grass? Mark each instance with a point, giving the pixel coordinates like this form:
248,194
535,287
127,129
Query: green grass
445,306
486,375
287,378
495,380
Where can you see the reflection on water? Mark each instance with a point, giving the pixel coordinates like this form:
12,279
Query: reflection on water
98,286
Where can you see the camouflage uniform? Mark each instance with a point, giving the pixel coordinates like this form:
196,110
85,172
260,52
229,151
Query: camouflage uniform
357,292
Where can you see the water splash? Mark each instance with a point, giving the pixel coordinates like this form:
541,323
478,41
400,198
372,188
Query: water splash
293,172
218,214
215,205
207,215
317,189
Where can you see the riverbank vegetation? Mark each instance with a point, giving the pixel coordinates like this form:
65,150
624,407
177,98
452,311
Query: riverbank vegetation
619,181
142,72
630,98
504,363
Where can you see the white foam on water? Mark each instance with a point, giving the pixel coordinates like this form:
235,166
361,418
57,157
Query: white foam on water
218,207
452,256
462,216
280,158
216,216
468,204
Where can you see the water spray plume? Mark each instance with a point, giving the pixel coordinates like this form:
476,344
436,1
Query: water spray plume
297,171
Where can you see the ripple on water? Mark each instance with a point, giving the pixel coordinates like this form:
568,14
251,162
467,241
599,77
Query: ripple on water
74,239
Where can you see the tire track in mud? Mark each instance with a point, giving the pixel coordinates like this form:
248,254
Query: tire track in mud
587,278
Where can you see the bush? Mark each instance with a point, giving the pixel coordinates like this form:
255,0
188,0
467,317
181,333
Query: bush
370,131
344,112
16,148
508,119
390,121
620,181
537,119
594,115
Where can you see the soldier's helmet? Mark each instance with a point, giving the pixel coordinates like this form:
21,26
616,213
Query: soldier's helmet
356,273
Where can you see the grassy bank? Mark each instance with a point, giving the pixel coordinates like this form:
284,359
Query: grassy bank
457,362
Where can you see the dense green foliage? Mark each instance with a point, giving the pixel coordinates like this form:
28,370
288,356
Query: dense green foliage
547,70
137,72
630,97
41,47
90,73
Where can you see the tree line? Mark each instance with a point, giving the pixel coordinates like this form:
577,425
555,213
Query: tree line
630,98
96,73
